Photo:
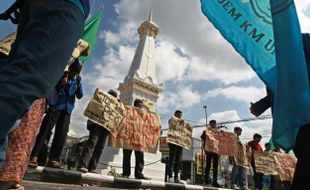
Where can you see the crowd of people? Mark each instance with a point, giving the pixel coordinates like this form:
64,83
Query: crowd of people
239,173
33,83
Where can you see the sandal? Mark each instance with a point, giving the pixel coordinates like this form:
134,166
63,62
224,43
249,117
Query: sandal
33,163
4,185
17,186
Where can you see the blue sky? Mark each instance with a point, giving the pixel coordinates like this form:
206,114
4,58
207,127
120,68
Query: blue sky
195,64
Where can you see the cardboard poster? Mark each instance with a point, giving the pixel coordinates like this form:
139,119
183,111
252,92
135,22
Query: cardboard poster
266,163
243,154
199,161
81,49
140,130
106,111
221,142
163,146
179,133
287,163
5,44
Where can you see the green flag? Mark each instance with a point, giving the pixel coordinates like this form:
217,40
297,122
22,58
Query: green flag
90,32
271,144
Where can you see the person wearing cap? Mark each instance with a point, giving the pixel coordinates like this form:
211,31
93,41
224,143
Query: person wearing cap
96,140
255,146
59,112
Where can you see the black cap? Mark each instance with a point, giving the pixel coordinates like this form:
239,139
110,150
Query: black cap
112,93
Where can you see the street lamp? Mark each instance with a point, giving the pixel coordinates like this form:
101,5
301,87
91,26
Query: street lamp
202,145
205,107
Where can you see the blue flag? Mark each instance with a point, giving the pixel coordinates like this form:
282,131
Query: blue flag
267,34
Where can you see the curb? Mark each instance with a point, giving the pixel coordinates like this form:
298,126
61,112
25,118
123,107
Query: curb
46,174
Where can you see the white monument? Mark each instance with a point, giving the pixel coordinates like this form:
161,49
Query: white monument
140,82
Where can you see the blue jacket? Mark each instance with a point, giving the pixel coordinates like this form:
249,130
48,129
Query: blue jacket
66,96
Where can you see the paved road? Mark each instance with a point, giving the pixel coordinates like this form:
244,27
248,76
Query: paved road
33,185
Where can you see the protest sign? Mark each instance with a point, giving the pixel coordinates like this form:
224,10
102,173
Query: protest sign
199,162
140,130
179,133
221,142
287,163
163,146
81,49
105,110
242,155
5,44
266,163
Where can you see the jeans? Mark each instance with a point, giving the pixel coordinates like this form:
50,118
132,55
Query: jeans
258,179
44,46
175,153
238,175
94,146
139,163
209,157
62,121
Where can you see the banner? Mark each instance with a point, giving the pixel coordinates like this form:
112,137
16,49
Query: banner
261,31
81,48
163,146
140,130
199,161
91,28
266,163
5,44
287,163
179,133
243,155
221,142
106,111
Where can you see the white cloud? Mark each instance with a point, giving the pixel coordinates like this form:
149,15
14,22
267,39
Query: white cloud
78,120
183,98
197,38
170,65
109,37
212,71
243,94
112,68
303,10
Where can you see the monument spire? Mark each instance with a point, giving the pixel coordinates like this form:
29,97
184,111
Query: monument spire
141,80
151,16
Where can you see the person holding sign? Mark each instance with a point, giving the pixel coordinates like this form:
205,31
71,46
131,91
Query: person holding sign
139,155
255,146
175,153
95,144
211,156
61,106
238,171
46,35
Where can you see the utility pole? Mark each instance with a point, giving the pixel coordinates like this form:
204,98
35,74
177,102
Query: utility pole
202,146
205,108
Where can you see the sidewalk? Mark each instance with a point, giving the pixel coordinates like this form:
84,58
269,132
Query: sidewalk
34,185
45,174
